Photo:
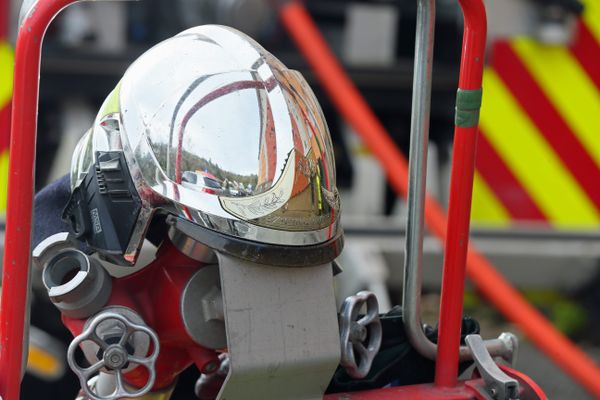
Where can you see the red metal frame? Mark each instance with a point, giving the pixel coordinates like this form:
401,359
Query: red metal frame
21,170
472,389
351,105
421,392
459,206
17,248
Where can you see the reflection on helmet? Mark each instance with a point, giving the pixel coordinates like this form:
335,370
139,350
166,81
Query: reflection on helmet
219,132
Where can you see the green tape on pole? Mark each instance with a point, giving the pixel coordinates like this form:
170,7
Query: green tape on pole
468,104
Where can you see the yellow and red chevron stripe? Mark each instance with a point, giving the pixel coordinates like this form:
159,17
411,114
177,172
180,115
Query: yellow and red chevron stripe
6,87
539,149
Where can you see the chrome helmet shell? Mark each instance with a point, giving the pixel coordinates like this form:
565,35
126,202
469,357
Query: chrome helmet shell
218,132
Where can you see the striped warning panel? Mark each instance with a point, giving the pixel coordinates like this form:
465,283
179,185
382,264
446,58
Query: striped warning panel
539,150
6,82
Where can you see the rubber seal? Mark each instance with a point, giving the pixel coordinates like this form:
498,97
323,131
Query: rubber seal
468,104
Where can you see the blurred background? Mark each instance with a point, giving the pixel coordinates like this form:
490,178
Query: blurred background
536,205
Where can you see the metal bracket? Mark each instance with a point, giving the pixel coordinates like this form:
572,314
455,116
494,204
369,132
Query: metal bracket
499,386
282,330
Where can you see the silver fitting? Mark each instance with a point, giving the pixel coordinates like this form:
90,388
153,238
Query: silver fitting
202,308
191,247
77,285
115,358
360,336
498,385
208,385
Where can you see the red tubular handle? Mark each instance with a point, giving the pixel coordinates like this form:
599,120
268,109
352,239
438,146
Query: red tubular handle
17,248
357,113
459,205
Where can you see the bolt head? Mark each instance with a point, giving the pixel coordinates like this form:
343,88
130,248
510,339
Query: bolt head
358,333
210,367
115,357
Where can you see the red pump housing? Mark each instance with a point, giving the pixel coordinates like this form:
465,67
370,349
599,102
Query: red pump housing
155,294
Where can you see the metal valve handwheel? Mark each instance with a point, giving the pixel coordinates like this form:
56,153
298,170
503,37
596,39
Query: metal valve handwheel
114,357
360,337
